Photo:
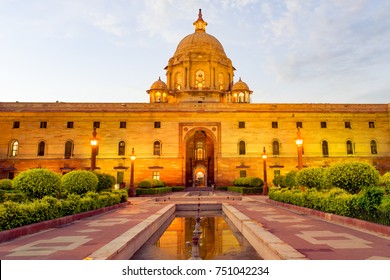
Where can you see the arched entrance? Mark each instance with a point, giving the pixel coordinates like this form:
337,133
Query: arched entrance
200,176
199,158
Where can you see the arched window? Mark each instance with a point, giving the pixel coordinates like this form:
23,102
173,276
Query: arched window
241,148
275,147
157,148
241,97
41,148
14,148
68,149
325,149
374,148
349,147
121,148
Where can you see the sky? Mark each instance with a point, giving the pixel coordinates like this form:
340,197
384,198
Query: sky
287,51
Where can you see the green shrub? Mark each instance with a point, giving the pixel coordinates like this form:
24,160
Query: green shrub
279,181
151,183
221,188
177,188
248,182
385,179
153,191
290,180
105,181
79,182
352,176
239,181
245,190
37,183
144,184
5,184
311,178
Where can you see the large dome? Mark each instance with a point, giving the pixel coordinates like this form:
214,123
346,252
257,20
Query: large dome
199,42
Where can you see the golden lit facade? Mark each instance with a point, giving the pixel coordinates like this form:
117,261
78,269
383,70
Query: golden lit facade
199,127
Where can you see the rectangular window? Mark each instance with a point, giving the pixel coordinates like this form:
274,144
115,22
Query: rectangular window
299,124
371,124
122,125
242,173
276,173
347,125
16,124
157,124
241,124
69,124
96,124
43,125
156,175
274,124
323,124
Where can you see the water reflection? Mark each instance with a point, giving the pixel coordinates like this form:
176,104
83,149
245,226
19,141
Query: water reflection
218,241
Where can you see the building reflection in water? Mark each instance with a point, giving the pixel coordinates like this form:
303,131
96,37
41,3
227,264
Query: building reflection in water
218,241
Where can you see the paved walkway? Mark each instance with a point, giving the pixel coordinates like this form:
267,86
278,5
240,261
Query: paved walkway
313,237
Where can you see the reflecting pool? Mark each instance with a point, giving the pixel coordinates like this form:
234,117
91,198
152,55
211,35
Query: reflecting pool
219,240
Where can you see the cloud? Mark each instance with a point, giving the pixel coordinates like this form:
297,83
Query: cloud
325,39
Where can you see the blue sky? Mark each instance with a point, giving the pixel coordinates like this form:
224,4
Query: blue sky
296,51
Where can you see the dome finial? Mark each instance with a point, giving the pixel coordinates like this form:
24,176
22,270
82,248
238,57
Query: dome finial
200,24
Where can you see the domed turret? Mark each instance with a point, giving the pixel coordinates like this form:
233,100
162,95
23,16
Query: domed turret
158,92
240,92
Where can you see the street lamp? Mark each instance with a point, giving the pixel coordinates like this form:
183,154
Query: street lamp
94,144
265,186
299,143
132,189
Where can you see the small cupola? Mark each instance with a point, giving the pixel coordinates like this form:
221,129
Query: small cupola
158,92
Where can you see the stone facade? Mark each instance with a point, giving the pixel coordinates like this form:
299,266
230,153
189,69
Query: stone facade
200,127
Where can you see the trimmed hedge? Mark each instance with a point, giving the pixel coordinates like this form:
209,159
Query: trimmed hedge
248,182
151,183
38,182
177,188
366,205
245,190
14,214
152,191
79,182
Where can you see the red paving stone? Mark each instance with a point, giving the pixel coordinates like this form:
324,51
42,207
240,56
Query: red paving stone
315,238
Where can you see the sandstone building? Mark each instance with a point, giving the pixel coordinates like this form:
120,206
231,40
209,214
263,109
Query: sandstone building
199,127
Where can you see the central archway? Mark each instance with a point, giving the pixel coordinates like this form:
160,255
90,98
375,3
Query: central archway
199,158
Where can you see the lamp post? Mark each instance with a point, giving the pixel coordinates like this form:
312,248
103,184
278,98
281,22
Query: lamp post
265,186
94,144
299,143
132,189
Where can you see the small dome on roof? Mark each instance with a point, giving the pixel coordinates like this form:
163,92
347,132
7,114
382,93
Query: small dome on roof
159,85
240,86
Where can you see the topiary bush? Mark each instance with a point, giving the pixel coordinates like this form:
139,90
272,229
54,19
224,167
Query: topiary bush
79,182
311,178
249,182
38,182
5,184
151,183
352,176
105,181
